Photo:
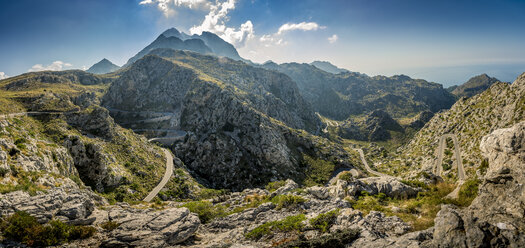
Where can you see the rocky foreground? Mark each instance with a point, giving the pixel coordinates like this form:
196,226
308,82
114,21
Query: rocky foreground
290,216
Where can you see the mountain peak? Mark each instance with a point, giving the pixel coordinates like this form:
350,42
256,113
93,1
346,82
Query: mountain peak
328,67
172,32
474,85
103,66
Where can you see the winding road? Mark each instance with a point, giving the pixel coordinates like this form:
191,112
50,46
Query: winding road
165,179
362,155
438,169
169,157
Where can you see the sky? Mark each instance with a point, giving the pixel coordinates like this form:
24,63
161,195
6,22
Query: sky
441,41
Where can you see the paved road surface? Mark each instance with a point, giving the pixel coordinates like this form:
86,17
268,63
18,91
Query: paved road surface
165,179
362,155
459,163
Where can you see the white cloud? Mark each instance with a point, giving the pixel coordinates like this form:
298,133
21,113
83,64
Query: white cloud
3,75
168,6
215,22
332,39
305,26
55,66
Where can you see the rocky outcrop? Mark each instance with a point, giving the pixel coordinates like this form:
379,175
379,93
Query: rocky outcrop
389,186
94,120
149,228
66,203
95,167
35,79
495,217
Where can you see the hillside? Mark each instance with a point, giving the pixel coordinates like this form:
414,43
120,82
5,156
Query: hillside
474,86
55,130
102,67
500,106
241,122
344,95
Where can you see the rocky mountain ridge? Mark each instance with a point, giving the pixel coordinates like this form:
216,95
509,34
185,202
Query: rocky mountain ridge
102,67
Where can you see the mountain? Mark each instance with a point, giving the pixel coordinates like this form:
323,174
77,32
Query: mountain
241,123
217,45
500,106
474,86
102,67
346,94
206,43
328,67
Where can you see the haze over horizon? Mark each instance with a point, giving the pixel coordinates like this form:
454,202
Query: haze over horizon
442,41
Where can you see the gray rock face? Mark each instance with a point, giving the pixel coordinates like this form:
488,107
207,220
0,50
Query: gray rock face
147,228
65,203
93,165
389,186
495,217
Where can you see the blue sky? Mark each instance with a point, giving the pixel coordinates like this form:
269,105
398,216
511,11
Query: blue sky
441,41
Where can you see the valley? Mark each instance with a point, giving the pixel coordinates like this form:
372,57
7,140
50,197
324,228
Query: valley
190,145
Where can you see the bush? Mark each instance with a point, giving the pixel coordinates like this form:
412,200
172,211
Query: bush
288,224
319,171
468,191
338,239
484,166
205,210
287,201
323,222
346,176
24,228
20,143
110,225
273,186
416,184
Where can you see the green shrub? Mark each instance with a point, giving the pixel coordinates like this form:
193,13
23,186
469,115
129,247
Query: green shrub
323,222
446,166
468,191
287,201
416,184
319,171
110,225
288,224
337,239
20,143
346,176
205,210
24,228
273,186
484,166
210,193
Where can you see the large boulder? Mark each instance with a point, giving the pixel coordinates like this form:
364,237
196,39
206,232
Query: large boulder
149,228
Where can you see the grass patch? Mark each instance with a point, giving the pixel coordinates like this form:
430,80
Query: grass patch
419,212
24,228
289,224
467,192
319,171
110,225
337,239
287,201
323,222
273,186
206,210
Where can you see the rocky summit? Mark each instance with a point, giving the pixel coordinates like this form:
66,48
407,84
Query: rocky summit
189,145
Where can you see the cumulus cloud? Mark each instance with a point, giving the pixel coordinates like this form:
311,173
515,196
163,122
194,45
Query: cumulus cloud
332,39
3,75
305,26
55,66
215,22
167,7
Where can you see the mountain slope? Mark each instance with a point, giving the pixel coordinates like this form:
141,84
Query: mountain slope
240,120
328,67
217,45
102,67
474,86
500,106
343,95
